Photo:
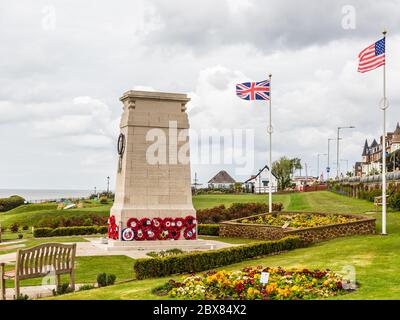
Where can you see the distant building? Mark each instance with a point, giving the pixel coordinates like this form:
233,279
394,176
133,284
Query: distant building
372,154
222,180
260,183
301,181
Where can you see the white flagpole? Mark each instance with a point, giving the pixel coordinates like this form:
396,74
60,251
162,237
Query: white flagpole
270,146
384,106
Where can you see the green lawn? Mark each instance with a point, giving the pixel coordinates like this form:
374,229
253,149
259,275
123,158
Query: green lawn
375,257
87,269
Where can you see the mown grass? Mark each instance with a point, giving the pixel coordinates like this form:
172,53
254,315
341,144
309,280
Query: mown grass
87,269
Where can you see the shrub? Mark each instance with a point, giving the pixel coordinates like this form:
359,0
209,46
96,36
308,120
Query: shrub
72,221
68,231
25,227
103,200
14,227
86,287
166,253
20,236
10,203
22,297
104,280
235,211
62,289
200,261
208,229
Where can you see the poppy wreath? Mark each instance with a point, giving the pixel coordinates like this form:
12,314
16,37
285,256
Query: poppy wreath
151,233
174,233
113,230
179,223
133,223
140,235
157,223
189,233
168,223
145,222
190,221
163,235
127,234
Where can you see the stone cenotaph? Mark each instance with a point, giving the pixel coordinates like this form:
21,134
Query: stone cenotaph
153,198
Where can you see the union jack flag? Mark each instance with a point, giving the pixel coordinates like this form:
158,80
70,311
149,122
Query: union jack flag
253,90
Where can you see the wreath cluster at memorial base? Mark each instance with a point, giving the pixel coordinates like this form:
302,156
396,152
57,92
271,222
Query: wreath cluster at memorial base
154,229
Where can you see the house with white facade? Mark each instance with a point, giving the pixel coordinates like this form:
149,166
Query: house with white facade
260,183
222,180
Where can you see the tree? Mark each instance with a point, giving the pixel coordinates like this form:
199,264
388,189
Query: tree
296,165
282,169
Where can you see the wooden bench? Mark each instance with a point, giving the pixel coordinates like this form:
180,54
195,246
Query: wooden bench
38,262
378,202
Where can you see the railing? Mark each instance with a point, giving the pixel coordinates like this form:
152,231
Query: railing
264,189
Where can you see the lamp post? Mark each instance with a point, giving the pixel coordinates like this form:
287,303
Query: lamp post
337,149
108,186
319,154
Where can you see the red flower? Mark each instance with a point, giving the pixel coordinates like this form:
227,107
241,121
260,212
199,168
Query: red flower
168,223
174,233
190,221
179,223
140,235
189,233
157,222
145,222
133,223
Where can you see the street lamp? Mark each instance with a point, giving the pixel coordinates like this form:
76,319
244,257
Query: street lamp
108,186
337,149
328,169
319,154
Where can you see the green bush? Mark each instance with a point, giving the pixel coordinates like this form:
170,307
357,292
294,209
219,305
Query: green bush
201,261
235,211
14,227
208,229
104,280
68,231
103,200
11,203
62,289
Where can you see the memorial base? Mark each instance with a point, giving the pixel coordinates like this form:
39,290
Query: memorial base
158,245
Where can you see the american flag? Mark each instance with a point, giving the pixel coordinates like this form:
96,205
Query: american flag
372,57
253,90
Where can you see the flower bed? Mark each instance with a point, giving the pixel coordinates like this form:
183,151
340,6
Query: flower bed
300,220
311,227
245,285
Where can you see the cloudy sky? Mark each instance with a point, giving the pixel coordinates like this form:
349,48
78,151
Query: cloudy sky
64,65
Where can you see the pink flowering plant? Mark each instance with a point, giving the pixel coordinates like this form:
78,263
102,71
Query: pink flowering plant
283,284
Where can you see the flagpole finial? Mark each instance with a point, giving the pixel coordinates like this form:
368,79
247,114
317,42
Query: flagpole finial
384,32
270,75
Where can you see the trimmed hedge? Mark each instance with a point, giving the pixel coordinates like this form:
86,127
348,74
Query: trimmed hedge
11,203
201,261
208,229
68,231
235,211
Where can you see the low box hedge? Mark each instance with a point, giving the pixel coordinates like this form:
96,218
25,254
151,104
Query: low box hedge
208,229
68,231
201,261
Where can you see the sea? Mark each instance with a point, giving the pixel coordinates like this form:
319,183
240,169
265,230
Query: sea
45,194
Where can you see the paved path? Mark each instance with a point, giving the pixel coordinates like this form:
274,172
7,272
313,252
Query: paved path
94,248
